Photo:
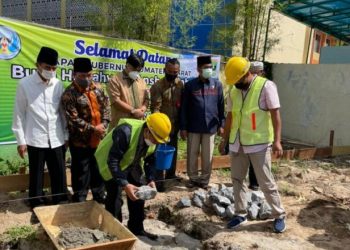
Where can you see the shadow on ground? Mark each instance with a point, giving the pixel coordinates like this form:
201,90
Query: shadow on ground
333,219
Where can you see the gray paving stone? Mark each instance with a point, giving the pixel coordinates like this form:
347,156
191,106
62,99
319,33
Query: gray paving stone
220,211
184,202
146,193
265,211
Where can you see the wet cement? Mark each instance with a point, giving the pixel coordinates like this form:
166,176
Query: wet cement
72,237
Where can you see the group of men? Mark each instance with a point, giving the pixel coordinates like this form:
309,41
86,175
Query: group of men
112,142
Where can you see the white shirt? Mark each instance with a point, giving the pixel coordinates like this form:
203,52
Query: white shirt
268,100
37,119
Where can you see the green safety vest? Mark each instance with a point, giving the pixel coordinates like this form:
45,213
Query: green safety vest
105,145
253,124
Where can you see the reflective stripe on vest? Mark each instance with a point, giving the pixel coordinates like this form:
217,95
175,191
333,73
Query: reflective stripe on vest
253,123
105,145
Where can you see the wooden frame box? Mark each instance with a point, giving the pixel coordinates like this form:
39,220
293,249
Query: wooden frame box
88,214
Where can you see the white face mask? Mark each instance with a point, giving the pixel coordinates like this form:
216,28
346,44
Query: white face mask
48,75
149,142
134,75
207,73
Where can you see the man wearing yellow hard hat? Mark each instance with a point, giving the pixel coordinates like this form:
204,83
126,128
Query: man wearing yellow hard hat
253,130
125,157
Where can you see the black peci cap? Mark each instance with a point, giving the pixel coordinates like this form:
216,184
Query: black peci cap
47,55
82,64
201,60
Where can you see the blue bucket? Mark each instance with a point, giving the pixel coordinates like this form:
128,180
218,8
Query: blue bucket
164,156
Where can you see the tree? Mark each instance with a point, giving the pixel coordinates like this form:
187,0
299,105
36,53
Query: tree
186,14
146,20
247,32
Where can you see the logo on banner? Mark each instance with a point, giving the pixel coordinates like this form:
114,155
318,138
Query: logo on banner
10,43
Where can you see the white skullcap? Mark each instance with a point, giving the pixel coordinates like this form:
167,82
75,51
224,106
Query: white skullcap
256,66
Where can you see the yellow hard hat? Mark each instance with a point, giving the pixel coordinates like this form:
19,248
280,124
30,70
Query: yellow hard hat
160,126
235,69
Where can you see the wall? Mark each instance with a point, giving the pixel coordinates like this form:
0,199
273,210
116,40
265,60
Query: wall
315,99
331,55
294,37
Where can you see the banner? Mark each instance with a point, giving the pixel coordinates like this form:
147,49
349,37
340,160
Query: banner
20,43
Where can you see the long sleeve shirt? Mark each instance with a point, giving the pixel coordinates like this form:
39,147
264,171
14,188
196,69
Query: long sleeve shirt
133,92
202,106
78,110
121,141
166,98
38,119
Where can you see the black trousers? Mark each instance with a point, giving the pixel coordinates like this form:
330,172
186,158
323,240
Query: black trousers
170,173
114,205
55,162
85,174
253,182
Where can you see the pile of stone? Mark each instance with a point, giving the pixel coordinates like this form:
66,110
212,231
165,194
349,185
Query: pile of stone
221,200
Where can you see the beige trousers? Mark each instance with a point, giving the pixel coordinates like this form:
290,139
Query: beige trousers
203,143
261,162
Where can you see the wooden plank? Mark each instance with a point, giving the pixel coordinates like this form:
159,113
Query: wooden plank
312,153
88,214
218,162
121,244
302,154
20,182
341,150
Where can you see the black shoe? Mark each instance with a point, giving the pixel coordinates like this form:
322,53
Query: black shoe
174,177
204,186
253,187
100,200
191,184
160,188
34,219
147,234
33,203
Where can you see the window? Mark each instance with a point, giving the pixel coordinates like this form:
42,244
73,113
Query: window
317,43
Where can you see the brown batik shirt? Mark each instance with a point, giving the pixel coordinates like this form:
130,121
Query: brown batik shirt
77,108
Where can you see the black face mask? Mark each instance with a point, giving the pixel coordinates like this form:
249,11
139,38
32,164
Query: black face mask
170,78
83,83
242,86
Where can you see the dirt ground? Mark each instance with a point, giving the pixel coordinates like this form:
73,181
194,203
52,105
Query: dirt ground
315,194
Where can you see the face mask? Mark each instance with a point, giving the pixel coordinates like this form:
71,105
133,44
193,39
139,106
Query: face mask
170,78
206,73
134,75
242,86
149,142
48,75
84,83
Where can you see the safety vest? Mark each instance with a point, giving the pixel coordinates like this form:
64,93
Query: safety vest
253,123
105,145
